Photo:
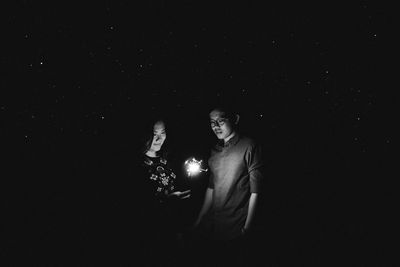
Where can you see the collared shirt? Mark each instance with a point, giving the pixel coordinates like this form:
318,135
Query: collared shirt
235,173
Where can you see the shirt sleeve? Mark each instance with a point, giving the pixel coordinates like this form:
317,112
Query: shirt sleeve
255,164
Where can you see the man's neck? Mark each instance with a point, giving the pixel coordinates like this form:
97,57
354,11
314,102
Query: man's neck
230,137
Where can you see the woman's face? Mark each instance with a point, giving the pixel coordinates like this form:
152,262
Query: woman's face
159,136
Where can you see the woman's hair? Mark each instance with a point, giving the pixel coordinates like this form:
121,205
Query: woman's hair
148,135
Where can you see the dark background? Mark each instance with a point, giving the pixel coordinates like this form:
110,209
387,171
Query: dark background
313,83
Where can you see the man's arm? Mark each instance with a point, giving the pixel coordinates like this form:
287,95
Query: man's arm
206,205
251,212
255,164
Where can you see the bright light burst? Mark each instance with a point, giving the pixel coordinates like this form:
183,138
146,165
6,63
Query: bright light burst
193,166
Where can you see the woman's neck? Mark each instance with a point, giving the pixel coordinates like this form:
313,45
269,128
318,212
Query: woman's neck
151,154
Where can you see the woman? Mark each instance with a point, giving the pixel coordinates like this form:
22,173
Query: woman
161,196
160,176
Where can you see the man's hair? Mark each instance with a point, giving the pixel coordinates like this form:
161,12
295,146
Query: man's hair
229,108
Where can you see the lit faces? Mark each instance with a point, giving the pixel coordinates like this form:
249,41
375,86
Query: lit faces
159,136
221,126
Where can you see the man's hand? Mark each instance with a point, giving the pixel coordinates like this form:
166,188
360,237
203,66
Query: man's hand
243,231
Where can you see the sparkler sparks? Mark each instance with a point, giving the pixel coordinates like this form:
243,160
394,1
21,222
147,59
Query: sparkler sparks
193,167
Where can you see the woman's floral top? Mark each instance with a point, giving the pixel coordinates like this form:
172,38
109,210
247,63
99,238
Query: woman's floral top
161,177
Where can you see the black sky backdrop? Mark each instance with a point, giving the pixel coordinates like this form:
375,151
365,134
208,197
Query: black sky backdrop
313,83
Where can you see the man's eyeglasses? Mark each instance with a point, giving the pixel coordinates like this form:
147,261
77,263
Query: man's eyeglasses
218,122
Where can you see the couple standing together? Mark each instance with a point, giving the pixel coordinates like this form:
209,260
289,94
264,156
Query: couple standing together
227,214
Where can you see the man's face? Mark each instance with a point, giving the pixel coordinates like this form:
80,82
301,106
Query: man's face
159,136
221,126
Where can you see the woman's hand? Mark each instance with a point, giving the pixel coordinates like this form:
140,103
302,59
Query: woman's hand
180,194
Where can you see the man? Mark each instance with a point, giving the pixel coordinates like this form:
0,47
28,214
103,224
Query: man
230,201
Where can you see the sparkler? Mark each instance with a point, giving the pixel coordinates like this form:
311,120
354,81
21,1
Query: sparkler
193,167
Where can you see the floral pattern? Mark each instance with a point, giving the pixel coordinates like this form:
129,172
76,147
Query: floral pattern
161,176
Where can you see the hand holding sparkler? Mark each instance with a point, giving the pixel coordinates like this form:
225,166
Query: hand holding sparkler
180,194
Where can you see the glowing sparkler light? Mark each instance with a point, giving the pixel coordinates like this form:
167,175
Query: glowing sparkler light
193,166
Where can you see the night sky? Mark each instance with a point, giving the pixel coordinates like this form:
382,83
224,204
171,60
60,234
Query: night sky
313,83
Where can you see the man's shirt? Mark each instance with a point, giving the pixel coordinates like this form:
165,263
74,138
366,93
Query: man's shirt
235,173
